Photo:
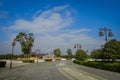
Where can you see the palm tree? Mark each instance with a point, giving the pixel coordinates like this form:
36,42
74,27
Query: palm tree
26,42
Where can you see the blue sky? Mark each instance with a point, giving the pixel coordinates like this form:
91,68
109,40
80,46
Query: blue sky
58,23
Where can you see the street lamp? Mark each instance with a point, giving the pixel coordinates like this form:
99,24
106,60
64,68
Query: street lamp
77,46
13,44
37,53
103,32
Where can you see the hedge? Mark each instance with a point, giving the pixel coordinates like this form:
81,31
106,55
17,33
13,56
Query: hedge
115,66
28,61
48,59
2,63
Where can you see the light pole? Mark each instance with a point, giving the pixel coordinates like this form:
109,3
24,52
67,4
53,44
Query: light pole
13,44
103,32
37,53
77,46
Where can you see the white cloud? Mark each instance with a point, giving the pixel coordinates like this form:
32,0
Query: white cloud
51,30
48,21
59,8
77,31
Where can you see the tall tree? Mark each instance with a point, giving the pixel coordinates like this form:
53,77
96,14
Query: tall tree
69,51
96,54
26,41
111,49
57,52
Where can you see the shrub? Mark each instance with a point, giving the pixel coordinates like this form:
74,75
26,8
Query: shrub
57,58
49,59
101,65
2,63
28,61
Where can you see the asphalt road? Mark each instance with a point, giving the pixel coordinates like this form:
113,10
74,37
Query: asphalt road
58,70
79,72
34,71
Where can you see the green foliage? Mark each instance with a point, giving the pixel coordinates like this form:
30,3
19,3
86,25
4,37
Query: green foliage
64,56
67,57
81,55
96,54
57,52
69,51
28,61
101,65
26,41
8,56
111,49
48,59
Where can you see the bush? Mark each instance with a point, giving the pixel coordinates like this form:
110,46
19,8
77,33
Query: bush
28,61
57,58
101,65
2,63
49,59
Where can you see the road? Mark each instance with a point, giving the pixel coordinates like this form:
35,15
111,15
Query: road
78,72
57,70
34,71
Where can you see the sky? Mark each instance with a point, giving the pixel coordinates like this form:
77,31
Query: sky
58,23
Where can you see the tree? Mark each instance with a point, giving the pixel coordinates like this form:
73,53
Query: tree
26,42
96,54
7,56
81,55
111,50
57,52
69,51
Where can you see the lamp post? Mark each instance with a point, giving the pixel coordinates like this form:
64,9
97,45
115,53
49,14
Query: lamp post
103,32
37,53
13,44
77,46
